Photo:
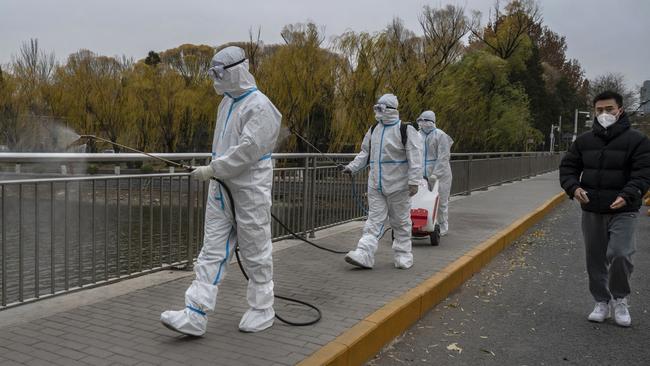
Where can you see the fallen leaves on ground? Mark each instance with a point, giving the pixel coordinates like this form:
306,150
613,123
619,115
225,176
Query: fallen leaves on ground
454,347
487,351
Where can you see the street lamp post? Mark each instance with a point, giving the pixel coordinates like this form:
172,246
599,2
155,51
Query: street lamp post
559,129
552,137
575,123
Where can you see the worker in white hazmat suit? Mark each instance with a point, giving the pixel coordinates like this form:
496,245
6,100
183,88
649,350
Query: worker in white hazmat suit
246,131
437,152
394,153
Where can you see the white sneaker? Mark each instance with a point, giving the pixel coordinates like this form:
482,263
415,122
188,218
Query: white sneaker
190,321
621,312
600,313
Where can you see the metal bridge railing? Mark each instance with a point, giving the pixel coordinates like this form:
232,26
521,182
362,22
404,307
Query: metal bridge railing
67,233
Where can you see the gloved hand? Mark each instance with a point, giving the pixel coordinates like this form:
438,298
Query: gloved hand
433,178
344,169
413,189
202,173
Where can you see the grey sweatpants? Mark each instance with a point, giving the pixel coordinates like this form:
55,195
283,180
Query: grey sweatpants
610,241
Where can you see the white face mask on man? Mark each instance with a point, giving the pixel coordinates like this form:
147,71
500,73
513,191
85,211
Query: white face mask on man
605,119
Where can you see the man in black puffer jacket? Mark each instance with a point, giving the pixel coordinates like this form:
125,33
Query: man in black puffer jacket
608,171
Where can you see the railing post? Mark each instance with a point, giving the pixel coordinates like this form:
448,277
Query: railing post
468,184
190,224
20,243
3,302
305,196
312,199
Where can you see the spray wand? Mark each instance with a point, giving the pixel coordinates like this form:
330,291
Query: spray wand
93,137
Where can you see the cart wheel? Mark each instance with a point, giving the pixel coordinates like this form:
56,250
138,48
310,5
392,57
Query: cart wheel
435,236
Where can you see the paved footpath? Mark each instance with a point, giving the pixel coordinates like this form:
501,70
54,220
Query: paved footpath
529,307
94,327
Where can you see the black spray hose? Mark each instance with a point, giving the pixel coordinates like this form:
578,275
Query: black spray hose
357,199
285,227
232,207
243,271
297,324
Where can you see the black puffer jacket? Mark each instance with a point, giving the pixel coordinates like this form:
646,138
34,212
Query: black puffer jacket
608,163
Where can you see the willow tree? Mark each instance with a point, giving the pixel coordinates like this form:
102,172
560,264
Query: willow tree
479,107
299,77
190,61
361,77
10,109
94,96
443,29
24,90
109,103
33,68
404,68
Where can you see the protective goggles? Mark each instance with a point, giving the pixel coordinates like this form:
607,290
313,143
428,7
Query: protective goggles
381,108
217,72
424,120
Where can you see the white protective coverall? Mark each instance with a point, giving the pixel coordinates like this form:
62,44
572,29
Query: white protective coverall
246,131
437,152
393,168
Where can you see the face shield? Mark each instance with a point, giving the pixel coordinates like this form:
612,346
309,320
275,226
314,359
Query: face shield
426,125
382,108
218,71
385,114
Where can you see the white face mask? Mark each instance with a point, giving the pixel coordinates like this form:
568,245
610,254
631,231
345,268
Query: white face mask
217,88
426,126
606,119
387,117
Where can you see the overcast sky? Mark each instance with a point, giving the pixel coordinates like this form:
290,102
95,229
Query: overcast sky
605,35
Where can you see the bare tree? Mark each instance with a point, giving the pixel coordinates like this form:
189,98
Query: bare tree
613,82
505,34
253,48
300,34
443,30
32,63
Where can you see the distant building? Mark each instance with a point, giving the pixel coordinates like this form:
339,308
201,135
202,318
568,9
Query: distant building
645,96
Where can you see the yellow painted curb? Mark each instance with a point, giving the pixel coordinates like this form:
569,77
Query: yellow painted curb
359,343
